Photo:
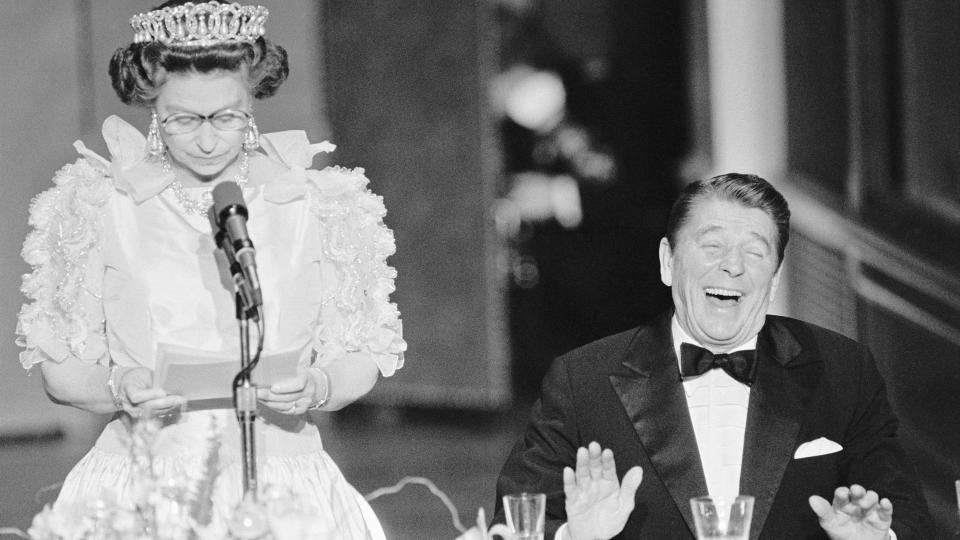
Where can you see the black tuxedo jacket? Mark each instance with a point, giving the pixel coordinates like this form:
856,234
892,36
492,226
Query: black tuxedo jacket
624,392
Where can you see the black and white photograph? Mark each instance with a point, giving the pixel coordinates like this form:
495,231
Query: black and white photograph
480,270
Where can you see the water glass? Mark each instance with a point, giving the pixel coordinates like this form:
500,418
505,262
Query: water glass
957,485
956,522
525,515
722,518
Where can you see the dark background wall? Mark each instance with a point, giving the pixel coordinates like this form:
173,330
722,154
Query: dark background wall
407,103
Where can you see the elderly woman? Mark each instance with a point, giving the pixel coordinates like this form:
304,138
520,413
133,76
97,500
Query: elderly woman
123,267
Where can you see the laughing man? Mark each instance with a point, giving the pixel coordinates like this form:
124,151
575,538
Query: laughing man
718,398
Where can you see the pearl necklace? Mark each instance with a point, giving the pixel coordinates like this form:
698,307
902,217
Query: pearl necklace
200,206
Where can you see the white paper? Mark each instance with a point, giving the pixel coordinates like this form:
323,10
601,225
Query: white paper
198,375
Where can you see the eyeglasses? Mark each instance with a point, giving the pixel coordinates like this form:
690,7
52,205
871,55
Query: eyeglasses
228,120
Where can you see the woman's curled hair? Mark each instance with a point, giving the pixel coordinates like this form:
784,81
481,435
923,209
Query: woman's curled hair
139,70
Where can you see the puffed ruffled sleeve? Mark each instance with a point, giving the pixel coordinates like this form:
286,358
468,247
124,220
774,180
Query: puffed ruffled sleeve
357,314
64,315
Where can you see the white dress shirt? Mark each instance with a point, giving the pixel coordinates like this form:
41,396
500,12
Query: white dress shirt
718,410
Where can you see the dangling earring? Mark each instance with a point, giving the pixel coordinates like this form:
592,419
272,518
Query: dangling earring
155,147
251,138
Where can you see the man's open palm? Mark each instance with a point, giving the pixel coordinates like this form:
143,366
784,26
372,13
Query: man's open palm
597,504
856,514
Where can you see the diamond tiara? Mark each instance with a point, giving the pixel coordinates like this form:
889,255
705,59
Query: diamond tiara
201,24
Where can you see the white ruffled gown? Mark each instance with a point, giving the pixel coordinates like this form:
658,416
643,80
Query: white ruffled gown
120,268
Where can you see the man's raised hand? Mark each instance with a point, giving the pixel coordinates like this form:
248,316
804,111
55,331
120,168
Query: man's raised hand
597,504
856,514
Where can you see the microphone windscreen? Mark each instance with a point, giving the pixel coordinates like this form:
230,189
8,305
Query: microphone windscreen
227,196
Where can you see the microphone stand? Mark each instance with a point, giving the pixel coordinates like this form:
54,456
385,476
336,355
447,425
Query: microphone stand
247,306
245,403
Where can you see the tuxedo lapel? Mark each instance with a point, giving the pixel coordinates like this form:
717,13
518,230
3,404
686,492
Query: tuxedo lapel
651,392
778,397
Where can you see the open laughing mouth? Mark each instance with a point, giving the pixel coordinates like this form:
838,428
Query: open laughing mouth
723,297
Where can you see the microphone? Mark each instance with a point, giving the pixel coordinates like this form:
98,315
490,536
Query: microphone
231,276
230,214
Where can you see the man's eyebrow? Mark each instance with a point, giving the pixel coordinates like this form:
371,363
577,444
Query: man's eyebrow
705,230
700,233
714,228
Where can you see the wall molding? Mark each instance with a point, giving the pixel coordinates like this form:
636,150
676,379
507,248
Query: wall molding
862,248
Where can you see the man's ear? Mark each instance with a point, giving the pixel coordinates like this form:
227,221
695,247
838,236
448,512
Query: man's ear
775,282
666,262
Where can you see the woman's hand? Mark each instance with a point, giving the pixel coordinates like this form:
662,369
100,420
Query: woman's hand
291,396
139,396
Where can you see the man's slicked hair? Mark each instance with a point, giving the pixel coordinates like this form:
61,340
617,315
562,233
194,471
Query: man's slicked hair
747,189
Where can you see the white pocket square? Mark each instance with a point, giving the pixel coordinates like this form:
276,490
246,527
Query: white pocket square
818,447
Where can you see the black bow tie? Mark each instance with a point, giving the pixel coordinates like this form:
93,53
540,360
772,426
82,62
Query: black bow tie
741,365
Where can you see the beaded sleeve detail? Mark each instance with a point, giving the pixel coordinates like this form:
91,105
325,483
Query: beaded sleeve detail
349,243
358,314
64,316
